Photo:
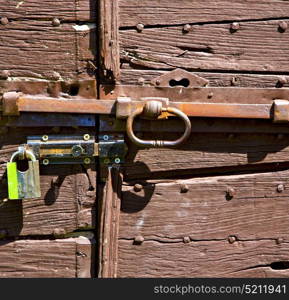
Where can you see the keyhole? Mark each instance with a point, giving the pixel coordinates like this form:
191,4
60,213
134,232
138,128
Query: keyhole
183,82
22,165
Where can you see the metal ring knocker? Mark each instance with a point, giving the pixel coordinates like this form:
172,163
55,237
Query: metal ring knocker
155,109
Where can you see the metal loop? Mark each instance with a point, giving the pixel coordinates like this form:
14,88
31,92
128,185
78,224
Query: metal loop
158,143
23,153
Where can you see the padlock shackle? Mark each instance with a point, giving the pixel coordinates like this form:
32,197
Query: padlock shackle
27,154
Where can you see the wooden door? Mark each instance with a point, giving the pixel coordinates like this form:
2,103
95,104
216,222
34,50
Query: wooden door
47,48
218,205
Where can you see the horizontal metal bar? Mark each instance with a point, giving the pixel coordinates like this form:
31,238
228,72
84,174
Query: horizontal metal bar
14,105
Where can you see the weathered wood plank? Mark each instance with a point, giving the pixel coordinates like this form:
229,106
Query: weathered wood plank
209,208
257,46
130,76
66,10
37,49
68,195
109,39
66,258
202,259
167,12
210,150
109,224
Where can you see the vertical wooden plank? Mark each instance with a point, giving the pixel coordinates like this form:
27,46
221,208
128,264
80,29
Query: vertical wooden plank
109,224
108,39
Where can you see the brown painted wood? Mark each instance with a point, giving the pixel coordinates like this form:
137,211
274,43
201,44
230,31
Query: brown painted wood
37,49
208,208
208,150
68,195
109,224
167,12
66,258
202,259
109,39
65,10
256,46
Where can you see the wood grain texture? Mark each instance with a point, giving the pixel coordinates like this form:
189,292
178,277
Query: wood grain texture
210,150
109,39
110,201
68,195
202,208
130,76
63,258
66,10
37,49
256,46
202,259
167,12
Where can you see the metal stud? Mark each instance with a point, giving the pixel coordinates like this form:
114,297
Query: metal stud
184,188
234,26
139,239
186,240
283,26
4,74
140,27
87,161
280,188
45,138
4,21
86,137
232,239
56,22
187,28
279,241
45,162
137,187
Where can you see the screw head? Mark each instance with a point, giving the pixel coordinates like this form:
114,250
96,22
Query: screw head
184,188
140,27
87,161
232,239
283,26
187,28
139,239
137,187
45,138
4,74
280,188
86,137
56,22
4,21
117,160
45,162
231,192
235,26
158,82
186,240
77,150
105,137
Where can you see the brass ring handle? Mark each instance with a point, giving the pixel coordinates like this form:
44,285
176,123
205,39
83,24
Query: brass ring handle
158,143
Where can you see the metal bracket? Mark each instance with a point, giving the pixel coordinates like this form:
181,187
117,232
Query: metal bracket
63,149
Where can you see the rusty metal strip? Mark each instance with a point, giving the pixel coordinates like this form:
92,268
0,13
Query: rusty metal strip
206,95
109,224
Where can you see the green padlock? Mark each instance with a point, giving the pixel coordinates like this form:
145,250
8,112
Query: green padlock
23,184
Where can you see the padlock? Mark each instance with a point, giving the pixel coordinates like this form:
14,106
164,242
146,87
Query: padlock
23,184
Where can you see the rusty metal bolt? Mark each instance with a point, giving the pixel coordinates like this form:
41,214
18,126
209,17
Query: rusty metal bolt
210,95
184,188
141,81
139,239
280,188
56,22
187,28
140,27
158,82
234,26
232,239
4,74
137,187
230,193
283,26
279,241
4,21
186,240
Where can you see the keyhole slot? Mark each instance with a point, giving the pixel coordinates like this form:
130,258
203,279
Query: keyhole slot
22,165
183,82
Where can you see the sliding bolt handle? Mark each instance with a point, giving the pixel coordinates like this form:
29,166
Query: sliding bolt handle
155,109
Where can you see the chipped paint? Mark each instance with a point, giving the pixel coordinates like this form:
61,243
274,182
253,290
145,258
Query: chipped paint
85,27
